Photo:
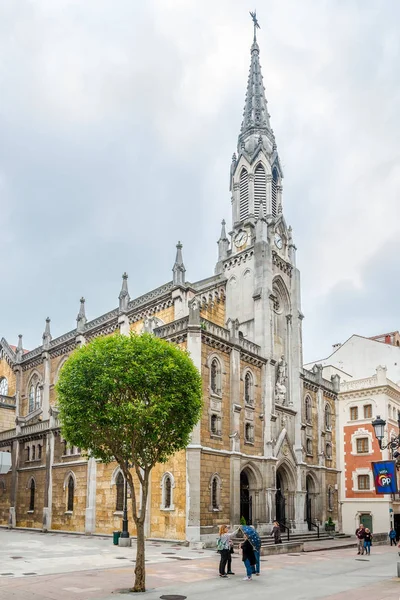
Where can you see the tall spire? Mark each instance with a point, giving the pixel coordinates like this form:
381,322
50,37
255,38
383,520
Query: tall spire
81,318
223,246
255,116
47,335
178,268
124,296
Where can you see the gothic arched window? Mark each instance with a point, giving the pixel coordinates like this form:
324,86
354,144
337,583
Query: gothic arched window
167,492
260,188
3,386
215,376
214,424
248,388
249,432
33,452
32,495
328,417
274,191
31,398
70,494
244,195
309,449
120,485
214,493
38,396
308,408
330,498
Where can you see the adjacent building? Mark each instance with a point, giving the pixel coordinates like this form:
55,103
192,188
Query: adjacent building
265,447
369,370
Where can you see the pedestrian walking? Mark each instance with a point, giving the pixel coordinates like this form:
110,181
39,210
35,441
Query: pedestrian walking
360,535
392,537
225,548
276,532
367,541
248,558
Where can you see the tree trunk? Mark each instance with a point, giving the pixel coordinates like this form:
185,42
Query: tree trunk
140,573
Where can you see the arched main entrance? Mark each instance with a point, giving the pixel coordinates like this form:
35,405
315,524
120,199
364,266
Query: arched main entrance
310,509
284,496
246,501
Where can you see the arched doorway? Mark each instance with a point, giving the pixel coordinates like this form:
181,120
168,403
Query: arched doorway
246,501
280,502
284,496
310,491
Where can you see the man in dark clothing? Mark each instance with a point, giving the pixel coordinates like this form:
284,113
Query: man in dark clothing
360,535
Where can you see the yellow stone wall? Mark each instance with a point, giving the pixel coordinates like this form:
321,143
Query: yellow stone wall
215,313
166,315
169,524
211,464
7,418
6,371
26,518
5,485
61,519
257,447
206,438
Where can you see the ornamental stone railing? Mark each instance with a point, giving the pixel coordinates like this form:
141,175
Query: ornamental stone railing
171,328
214,329
249,346
36,428
7,401
7,435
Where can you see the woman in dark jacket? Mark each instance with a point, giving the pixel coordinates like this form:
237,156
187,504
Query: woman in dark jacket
248,557
276,532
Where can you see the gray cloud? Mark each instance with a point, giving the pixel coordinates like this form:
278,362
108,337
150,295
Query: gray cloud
117,124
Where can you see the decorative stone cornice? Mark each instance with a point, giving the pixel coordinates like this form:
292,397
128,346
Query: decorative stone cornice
238,259
279,262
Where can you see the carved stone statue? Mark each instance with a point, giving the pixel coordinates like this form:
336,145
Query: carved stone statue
280,386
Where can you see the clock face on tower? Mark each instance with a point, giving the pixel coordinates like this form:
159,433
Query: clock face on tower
278,241
240,238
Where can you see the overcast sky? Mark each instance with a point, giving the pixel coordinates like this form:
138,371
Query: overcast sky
118,120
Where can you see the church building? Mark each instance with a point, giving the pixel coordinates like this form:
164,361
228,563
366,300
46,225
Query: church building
265,447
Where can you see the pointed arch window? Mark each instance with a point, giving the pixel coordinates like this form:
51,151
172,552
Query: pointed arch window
167,492
168,489
330,498
260,188
31,398
3,386
215,493
33,452
215,376
309,448
70,494
38,396
120,486
248,388
328,451
249,433
274,191
244,194
32,488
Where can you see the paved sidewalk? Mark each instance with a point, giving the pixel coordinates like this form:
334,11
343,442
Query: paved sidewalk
39,566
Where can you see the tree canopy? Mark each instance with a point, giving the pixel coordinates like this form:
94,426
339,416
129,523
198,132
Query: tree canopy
134,399
123,397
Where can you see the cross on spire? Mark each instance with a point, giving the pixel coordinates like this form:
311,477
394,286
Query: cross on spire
255,23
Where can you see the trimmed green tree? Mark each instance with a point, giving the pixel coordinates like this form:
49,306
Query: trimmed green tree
133,399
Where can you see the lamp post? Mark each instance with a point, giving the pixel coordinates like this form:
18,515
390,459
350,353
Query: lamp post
379,428
125,532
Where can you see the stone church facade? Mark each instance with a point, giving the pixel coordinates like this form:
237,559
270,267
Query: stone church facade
265,447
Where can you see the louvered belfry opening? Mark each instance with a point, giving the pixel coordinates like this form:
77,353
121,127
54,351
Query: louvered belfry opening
244,194
274,195
260,188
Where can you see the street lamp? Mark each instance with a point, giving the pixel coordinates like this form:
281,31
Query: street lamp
379,427
125,532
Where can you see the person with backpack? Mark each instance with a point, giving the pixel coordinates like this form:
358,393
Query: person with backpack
225,547
392,537
248,557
